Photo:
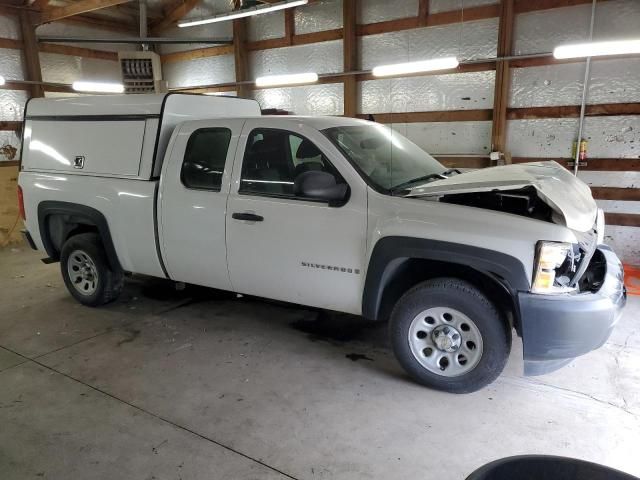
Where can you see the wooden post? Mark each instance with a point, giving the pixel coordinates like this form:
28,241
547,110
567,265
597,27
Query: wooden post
240,54
423,12
30,54
289,25
503,77
349,18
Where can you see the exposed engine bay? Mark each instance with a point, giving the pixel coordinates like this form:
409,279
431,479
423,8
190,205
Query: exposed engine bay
579,268
522,201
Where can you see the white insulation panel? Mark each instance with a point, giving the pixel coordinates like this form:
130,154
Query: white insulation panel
613,137
624,241
207,8
610,179
325,99
263,27
11,64
9,146
221,30
448,137
619,206
436,6
9,26
429,93
611,81
373,11
200,71
318,16
323,57
12,104
58,68
543,30
468,40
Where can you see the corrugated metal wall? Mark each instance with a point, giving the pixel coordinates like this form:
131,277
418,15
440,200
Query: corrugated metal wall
612,80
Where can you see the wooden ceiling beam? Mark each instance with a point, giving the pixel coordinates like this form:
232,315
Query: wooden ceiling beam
104,23
51,14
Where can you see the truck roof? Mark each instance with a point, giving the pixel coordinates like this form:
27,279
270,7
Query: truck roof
318,123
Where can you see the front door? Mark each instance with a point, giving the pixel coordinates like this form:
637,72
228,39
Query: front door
284,246
193,198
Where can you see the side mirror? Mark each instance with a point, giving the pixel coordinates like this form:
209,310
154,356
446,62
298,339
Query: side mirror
318,185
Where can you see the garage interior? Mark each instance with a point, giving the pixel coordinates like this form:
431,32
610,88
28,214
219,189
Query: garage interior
175,381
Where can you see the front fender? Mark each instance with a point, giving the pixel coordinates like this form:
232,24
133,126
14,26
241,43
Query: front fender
389,252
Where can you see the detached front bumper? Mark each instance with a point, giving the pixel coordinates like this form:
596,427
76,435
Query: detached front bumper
558,328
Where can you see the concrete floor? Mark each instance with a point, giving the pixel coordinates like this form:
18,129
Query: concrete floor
194,384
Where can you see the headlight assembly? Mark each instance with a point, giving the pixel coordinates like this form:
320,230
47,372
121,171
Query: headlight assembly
554,267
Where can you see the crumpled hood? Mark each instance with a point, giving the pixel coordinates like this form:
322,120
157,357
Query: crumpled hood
564,193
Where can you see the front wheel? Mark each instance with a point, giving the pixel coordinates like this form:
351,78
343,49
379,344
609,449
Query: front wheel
86,271
447,335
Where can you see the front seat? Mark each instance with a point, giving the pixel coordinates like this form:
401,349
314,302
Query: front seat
308,152
264,162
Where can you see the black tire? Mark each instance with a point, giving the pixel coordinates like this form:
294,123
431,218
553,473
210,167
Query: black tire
468,300
108,281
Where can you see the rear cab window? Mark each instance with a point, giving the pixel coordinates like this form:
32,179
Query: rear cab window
205,158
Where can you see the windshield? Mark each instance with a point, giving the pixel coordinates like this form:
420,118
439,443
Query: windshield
385,157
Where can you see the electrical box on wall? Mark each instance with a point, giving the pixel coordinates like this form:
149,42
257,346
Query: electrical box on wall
141,72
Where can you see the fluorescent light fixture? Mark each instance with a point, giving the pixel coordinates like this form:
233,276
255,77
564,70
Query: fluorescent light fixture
245,12
415,67
273,80
98,87
594,49
2,80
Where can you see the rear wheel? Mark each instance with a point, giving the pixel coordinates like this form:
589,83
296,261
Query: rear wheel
86,271
449,336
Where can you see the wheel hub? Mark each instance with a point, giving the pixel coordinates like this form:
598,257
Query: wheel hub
446,338
82,272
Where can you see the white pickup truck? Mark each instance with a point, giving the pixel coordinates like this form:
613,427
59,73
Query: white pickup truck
333,213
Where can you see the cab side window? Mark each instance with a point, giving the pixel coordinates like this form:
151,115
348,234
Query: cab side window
204,158
274,158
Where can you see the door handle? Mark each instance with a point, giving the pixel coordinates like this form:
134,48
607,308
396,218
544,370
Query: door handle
249,217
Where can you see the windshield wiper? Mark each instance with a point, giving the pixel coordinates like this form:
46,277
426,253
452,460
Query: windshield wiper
450,171
404,185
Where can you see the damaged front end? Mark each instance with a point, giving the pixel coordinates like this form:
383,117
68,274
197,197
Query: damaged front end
522,201
577,290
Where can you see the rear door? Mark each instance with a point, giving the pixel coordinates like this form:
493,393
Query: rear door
192,203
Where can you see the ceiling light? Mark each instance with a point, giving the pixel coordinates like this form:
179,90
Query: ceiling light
245,12
273,80
98,87
594,49
415,67
2,80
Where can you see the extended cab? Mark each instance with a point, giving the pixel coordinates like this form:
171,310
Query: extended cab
329,212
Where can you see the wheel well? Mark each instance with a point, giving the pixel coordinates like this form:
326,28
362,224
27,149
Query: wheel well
61,227
59,221
404,273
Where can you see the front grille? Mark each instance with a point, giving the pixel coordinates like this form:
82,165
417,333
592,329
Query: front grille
594,275
587,244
